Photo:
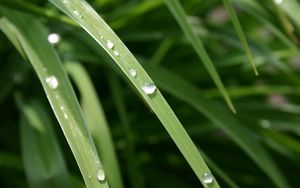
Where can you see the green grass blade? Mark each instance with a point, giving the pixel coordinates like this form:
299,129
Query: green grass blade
222,119
134,174
96,122
32,38
240,32
84,14
178,12
43,160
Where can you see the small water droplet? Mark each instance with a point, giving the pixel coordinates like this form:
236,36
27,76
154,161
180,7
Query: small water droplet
66,116
132,72
52,82
148,88
62,107
65,1
77,14
116,53
208,178
110,44
100,175
278,2
101,37
54,38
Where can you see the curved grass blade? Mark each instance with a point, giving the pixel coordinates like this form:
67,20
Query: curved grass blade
96,122
178,12
239,31
240,134
32,39
85,15
43,160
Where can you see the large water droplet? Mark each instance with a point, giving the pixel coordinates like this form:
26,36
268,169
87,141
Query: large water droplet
132,72
208,178
148,88
77,14
110,44
52,82
100,175
278,2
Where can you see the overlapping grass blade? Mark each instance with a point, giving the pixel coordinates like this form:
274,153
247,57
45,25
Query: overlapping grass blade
96,122
43,160
30,38
240,32
178,12
84,14
240,134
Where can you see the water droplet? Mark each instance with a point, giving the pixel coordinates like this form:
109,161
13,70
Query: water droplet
52,82
116,53
278,2
148,88
62,107
53,38
208,178
132,72
77,14
265,123
109,44
100,175
65,1
101,37
66,116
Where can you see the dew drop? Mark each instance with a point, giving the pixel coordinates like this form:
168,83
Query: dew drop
77,14
54,38
100,175
110,44
278,2
52,82
148,88
101,37
116,53
208,178
65,1
66,116
132,72
62,107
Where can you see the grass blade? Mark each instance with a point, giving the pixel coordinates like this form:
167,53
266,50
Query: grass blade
239,31
178,12
31,37
84,14
240,134
40,148
96,122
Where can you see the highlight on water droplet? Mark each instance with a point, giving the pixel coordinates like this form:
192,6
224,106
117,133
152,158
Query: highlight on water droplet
208,178
101,37
117,53
65,1
132,72
66,115
52,82
149,88
109,44
278,2
100,175
54,38
77,14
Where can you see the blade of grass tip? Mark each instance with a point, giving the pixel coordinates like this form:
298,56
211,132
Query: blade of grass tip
40,148
240,32
96,122
32,38
243,136
88,18
134,174
179,13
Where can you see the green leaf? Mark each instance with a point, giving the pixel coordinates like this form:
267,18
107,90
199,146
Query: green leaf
43,160
85,15
222,119
32,42
96,122
178,12
240,32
